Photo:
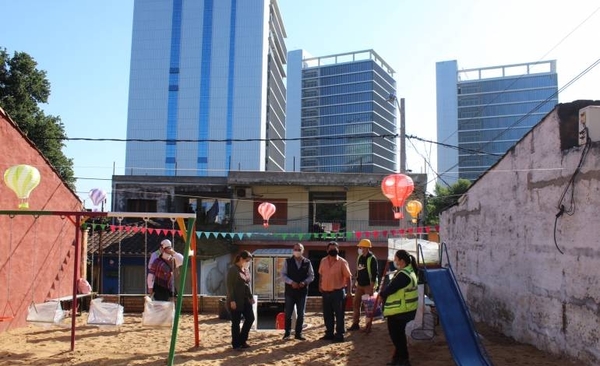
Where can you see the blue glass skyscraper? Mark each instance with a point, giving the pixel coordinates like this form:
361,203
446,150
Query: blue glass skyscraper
339,105
485,111
209,71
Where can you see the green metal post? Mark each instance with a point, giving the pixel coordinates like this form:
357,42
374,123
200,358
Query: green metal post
186,255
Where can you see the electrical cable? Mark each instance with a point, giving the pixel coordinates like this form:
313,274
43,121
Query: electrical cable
571,184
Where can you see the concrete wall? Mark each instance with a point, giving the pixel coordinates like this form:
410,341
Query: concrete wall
36,260
500,240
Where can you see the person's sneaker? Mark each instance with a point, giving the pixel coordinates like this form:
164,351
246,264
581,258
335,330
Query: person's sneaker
338,339
300,337
327,338
245,345
286,335
354,327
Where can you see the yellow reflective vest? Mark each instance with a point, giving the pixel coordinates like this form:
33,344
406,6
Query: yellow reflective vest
406,299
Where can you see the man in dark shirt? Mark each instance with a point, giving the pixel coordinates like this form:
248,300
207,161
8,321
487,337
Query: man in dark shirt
366,279
297,273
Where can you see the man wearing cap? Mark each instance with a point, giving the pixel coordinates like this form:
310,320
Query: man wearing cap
160,279
366,279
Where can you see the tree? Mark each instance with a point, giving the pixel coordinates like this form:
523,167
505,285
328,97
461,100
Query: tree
444,198
22,88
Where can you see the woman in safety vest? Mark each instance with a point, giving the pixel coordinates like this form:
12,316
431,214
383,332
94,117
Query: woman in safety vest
401,300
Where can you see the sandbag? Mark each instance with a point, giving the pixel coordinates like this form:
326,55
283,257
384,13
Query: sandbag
105,313
158,313
48,313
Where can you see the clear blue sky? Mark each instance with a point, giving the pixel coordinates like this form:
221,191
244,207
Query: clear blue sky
85,48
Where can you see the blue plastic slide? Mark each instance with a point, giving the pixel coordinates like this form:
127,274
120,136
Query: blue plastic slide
454,315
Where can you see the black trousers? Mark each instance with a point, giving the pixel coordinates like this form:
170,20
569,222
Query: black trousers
162,293
333,312
397,329
299,300
238,338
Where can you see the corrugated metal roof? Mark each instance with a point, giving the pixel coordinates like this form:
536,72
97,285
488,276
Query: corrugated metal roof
273,252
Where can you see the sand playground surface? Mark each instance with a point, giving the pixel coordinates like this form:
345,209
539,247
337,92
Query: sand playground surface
133,344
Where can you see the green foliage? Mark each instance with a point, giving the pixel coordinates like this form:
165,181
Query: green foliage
444,198
22,88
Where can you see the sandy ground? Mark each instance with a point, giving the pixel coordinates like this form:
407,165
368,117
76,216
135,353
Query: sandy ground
133,344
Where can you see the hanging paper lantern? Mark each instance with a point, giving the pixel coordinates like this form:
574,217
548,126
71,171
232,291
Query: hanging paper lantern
266,210
22,179
397,187
97,196
414,208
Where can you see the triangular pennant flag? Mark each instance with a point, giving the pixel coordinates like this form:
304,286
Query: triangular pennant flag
238,235
103,226
84,226
213,234
393,231
384,233
143,230
172,232
367,234
409,230
437,228
249,235
151,230
419,230
180,232
427,229
401,231
113,228
135,229
375,233
284,236
358,234
349,235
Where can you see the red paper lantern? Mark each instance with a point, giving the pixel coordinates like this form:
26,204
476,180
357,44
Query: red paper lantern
397,188
266,210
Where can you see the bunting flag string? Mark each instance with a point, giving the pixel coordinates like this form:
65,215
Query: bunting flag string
374,234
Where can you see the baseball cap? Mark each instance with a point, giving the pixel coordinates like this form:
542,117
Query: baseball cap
166,244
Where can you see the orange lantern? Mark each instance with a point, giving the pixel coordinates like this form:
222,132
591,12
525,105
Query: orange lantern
266,210
414,208
397,187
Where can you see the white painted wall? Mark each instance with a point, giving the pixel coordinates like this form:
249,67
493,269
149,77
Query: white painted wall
500,239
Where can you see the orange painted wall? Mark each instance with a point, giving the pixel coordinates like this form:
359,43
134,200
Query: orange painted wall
36,255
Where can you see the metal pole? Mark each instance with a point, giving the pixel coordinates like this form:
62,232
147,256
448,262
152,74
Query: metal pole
75,277
186,256
402,136
195,289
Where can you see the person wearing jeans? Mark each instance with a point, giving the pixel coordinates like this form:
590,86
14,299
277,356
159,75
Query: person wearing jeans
335,277
297,273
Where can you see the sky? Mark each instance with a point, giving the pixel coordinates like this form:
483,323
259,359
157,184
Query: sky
84,46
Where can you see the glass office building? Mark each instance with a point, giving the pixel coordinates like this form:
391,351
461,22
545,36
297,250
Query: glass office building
340,107
210,72
485,111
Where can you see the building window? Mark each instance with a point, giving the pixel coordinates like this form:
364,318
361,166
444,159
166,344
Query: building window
141,205
278,218
381,214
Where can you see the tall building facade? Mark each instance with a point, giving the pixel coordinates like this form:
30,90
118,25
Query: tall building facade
485,111
210,72
340,118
